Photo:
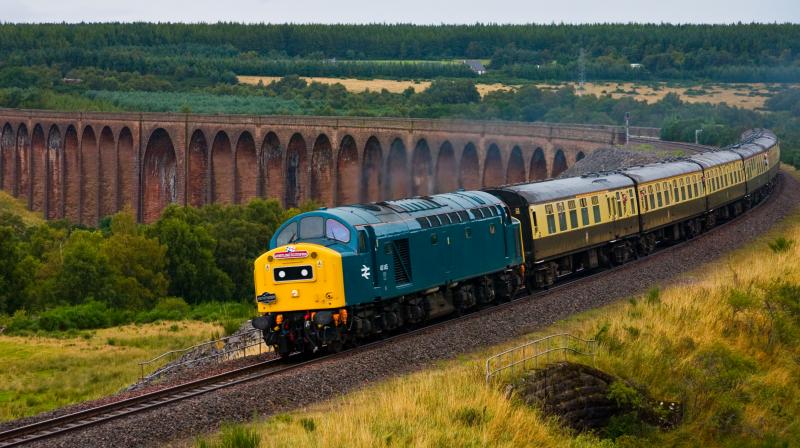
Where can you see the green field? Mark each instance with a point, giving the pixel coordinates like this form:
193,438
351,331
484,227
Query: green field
44,373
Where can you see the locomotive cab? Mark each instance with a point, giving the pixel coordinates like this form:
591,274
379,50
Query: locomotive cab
299,282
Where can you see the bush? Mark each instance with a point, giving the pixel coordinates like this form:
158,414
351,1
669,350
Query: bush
780,245
168,308
79,317
234,436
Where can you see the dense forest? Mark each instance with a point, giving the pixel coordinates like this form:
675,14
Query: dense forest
741,52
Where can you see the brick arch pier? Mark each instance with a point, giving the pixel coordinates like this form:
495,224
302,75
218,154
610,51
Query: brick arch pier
83,166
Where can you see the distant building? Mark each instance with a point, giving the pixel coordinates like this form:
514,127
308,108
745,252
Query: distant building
475,66
636,66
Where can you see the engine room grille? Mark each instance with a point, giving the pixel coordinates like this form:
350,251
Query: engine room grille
402,261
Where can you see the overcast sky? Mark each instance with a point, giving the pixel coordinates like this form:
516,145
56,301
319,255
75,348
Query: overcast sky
414,11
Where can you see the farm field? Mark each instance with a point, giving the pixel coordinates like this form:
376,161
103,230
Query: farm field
374,85
722,340
747,96
44,373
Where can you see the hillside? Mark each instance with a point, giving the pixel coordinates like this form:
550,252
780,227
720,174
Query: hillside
10,204
722,340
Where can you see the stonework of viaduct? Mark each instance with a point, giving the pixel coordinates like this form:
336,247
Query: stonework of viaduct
83,166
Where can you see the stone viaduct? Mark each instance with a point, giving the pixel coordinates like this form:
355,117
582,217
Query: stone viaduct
83,166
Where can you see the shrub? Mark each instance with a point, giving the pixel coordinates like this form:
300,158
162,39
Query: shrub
234,436
79,317
231,326
308,424
469,416
780,245
740,300
653,296
723,368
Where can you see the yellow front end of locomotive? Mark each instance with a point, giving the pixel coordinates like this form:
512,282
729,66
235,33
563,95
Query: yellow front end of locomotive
299,277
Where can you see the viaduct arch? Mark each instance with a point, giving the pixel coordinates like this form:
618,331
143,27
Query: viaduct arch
84,166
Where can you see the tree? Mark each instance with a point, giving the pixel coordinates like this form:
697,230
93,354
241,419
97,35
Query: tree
191,267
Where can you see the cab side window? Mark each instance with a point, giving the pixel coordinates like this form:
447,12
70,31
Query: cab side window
362,241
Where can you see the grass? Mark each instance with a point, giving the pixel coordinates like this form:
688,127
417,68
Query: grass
723,340
39,373
15,206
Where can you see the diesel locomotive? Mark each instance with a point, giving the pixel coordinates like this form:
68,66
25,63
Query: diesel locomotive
341,275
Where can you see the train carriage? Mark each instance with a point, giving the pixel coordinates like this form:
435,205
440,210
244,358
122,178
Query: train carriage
723,182
670,198
567,223
761,159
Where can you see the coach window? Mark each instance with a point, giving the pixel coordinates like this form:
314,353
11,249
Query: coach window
562,217
666,193
584,212
694,186
683,191
533,220
551,219
573,215
689,187
651,196
434,239
658,195
675,190
596,210
468,232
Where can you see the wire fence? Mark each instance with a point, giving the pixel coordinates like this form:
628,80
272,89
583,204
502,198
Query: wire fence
218,350
539,352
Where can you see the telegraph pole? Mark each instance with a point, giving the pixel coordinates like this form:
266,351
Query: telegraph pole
581,71
627,127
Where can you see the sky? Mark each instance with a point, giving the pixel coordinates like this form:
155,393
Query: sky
405,11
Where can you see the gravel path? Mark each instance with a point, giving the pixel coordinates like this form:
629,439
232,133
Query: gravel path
333,377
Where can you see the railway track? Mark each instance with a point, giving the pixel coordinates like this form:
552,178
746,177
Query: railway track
669,145
76,421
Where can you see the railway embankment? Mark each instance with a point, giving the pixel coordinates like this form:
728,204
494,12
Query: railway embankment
434,394
720,336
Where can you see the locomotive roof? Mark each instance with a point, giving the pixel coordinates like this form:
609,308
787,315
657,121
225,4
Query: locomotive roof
655,171
562,188
388,217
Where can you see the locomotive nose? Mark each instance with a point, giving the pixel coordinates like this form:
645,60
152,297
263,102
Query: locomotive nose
297,277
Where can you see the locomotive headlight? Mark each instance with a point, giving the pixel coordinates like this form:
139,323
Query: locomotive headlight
304,273
282,274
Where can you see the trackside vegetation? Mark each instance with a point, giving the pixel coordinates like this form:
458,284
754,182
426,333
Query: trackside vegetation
722,340
190,264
